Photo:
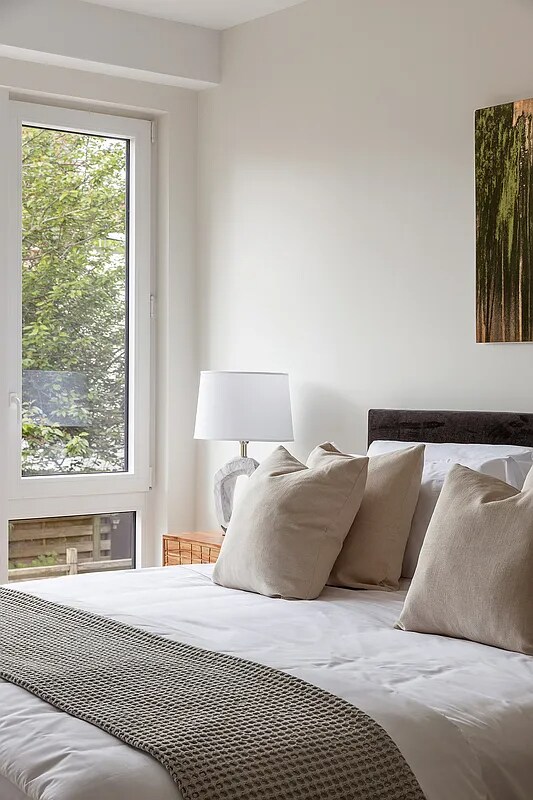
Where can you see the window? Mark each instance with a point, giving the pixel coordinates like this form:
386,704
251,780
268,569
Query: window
78,331
42,548
74,302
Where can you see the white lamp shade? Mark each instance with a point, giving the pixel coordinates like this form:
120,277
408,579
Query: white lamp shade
244,407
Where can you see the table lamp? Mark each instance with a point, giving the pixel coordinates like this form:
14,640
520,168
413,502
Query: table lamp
242,407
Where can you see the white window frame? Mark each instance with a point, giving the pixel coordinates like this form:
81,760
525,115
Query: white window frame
138,476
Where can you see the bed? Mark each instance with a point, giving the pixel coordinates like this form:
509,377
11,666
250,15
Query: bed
461,713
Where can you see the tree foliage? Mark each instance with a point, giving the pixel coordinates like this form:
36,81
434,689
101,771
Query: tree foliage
74,285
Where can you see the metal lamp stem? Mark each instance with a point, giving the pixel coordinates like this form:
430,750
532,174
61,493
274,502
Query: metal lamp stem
244,449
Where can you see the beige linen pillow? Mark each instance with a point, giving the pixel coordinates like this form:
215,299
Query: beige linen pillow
373,551
474,578
289,526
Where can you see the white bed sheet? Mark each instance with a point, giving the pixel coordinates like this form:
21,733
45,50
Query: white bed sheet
461,713
10,792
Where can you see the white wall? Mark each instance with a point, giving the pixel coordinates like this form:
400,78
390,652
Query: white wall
337,210
175,183
93,38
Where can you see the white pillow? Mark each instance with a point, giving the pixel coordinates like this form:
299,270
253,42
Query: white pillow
439,451
509,463
468,455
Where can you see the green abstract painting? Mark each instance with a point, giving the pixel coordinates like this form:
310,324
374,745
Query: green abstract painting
504,208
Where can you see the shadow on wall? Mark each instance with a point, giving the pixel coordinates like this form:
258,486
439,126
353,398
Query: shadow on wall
324,415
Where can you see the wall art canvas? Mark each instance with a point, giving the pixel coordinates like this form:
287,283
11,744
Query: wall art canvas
504,219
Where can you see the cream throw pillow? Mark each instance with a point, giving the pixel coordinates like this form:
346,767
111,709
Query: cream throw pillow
373,551
289,526
474,578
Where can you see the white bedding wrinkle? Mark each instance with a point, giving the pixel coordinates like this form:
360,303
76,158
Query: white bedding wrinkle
461,713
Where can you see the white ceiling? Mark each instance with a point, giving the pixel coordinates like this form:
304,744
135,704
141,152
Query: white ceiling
218,14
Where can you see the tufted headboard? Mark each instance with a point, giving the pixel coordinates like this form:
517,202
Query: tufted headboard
462,427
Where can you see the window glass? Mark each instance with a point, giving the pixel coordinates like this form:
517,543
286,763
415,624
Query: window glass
74,303
46,548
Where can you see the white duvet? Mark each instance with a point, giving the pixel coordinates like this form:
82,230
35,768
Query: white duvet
461,713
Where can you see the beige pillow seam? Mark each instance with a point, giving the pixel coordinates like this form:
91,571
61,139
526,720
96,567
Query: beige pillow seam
325,530
317,560
412,483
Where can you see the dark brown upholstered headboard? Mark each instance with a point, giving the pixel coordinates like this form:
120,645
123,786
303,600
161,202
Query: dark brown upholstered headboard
463,427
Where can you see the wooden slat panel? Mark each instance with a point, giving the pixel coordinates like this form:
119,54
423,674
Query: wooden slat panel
31,539
97,538
35,573
18,535
33,549
35,532
70,524
105,566
82,519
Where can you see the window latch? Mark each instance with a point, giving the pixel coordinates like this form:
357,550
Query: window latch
15,402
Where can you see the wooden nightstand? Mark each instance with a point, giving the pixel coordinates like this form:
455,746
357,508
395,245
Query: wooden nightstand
191,548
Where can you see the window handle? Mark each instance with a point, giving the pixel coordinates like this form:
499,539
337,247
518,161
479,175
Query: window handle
15,402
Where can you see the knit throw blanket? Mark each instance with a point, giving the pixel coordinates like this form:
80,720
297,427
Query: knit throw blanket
224,728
